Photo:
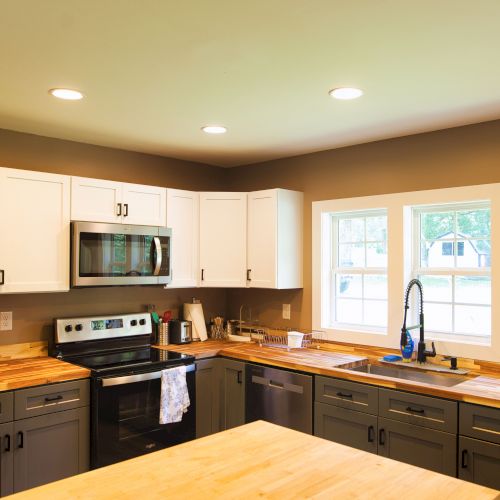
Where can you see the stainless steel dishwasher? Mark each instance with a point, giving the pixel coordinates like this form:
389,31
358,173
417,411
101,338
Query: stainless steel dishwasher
279,396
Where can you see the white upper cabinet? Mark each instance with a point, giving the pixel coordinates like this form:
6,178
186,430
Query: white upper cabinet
275,239
183,217
98,200
34,231
223,239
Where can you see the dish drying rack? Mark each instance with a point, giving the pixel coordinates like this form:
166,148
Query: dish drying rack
279,338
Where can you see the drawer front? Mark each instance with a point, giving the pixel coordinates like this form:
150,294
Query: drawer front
414,409
50,398
480,422
351,395
6,407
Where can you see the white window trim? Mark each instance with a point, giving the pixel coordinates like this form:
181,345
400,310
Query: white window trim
399,269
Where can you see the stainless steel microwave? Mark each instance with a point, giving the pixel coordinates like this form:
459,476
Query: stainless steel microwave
119,254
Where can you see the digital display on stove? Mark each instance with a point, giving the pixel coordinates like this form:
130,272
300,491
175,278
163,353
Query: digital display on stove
106,324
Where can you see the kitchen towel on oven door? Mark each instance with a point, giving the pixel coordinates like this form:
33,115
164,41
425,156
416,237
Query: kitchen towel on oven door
174,395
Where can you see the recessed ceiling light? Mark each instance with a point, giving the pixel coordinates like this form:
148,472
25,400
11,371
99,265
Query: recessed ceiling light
67,94
346,93
214,129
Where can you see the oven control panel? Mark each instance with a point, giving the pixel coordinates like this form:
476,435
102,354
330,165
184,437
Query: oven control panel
101,327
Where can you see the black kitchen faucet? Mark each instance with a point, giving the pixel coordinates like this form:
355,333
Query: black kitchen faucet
422,354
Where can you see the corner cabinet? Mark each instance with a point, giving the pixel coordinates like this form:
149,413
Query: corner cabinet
275,239
98,200
34,227
223,239
183,217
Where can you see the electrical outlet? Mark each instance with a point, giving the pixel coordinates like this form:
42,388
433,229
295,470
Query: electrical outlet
286,311
6,321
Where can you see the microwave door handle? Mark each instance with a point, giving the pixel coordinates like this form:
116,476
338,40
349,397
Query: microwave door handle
157,263
141,377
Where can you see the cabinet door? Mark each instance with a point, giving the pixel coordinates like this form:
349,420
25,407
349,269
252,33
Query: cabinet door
6,459
352,428
223,242
233,393
183,217
207,397
479,462
50,447
34,227
96,200
415,445
144,205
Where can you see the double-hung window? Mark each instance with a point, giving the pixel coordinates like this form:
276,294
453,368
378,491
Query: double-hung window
359,270
452,258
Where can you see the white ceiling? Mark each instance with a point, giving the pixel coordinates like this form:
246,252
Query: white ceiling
155,71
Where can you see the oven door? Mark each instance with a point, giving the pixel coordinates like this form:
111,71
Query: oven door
119,254
125,417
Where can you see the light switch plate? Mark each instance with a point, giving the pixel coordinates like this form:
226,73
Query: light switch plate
6,321
286,311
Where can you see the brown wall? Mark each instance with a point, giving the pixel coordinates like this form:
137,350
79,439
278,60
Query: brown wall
453,157
33,313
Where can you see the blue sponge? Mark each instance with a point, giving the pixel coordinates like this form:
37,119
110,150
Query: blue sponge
392,357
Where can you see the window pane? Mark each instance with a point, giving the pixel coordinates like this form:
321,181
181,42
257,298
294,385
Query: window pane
476,253
375,313
474,223
349,311
376,228
473,289
375,286
351,230
473,320
351,255
436,225
437,317
437,288
376,255
349,286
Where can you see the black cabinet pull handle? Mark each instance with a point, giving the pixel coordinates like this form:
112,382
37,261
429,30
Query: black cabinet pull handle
343,395
125,206
371,434
240,376
20,439
202,274
7,439
55,398
381,437
119,209
464,459
2,277
415,410
248,275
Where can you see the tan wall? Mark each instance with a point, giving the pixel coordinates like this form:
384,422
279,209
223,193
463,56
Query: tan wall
33,313
454,157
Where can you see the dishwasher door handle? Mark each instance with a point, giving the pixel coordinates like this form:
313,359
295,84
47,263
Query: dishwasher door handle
277,385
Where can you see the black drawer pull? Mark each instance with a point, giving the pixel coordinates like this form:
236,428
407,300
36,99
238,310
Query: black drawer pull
342,395
119,209
2,277
464,459
240,377
7,439
381,437
55,398
202,274
248,275
125,206
371,434
415,410
20,439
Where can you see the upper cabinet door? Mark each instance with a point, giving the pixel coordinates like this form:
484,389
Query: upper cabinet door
34,229
275,239
223,239
96,200
144,205
183,217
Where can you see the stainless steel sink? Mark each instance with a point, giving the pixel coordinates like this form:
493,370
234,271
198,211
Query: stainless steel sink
410,374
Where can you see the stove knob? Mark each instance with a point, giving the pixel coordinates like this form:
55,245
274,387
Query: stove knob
142,322
68,328
133,322
78,328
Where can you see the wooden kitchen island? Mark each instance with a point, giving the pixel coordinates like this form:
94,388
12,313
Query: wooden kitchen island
265,461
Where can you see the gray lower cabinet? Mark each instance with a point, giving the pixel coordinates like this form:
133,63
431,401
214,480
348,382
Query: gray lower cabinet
6,459
50,447
352,428
479,462
416,445
232,393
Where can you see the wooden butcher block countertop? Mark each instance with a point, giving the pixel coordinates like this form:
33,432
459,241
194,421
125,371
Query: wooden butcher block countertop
331,360
19,373
261,460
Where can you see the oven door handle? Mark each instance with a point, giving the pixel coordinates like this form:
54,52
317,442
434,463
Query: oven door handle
140,377
159,257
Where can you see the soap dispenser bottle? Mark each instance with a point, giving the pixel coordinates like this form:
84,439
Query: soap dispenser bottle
407,345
